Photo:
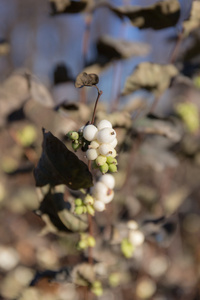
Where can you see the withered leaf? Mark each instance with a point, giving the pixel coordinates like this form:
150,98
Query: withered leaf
58,165
152,77
60,215
194,20
120,49
83,274
161,15
67,6
84,79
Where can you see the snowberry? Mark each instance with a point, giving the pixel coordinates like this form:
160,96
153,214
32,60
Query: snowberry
136,237
114,143
108,180
112,168
106,149
99,190
104,168
101,160
102,192
106,135
89,132
104,124
133,225
92,154
94,144
99,205
113,153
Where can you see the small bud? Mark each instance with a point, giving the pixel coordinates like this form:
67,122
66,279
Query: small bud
104,168
78,202
79,210
100,160
91,241
73,135
90,210
83,244
94,144
89,199
75,146
97,288
112,168
84,209
127,248
110,160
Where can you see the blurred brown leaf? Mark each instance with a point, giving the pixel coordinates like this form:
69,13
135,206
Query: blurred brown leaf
152,77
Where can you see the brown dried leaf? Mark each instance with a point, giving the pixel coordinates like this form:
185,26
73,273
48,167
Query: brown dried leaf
161,15
70,7
114,48
152,77
194,20
84,79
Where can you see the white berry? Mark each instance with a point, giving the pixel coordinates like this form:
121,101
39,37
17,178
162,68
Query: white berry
94,144
102,192
114,143
106,149
92,154
136,237
99,205
108,180
104,124
89,132
106,135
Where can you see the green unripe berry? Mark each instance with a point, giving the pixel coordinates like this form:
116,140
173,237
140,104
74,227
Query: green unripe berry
75,145
127,248
83,244
96,284
104,168
84,209
91,241
79,210
100,160
114,279
110,159
73,135
90,210
97,288
78,202
89,199
112,168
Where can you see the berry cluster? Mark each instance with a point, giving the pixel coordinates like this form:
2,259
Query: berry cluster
86,241
102,145
135,239
102,191
84,206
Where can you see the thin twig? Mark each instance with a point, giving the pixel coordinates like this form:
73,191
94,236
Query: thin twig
95,106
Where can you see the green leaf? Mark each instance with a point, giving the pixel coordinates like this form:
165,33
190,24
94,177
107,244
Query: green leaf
58,165
152,77
161,15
